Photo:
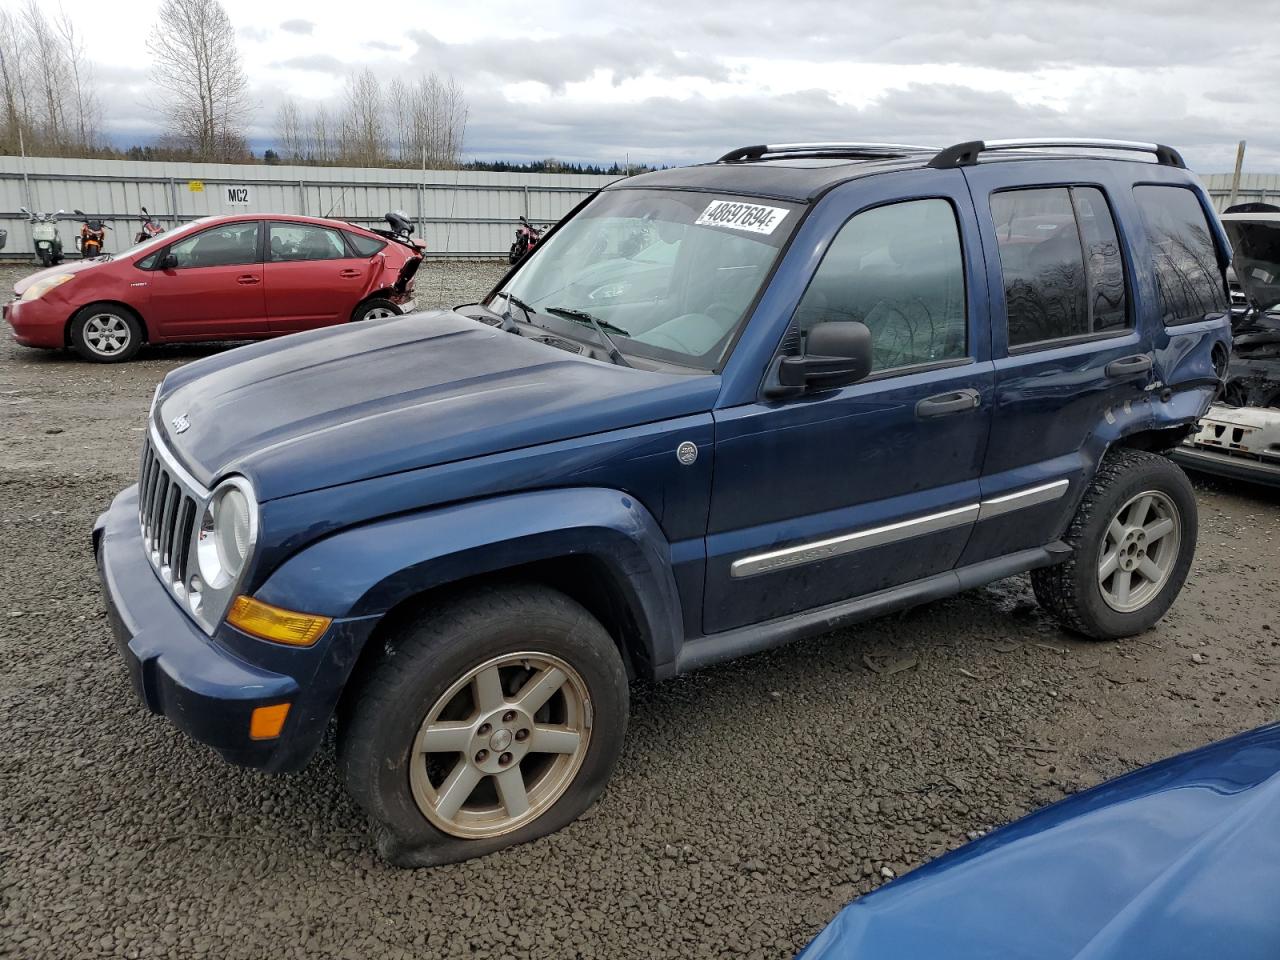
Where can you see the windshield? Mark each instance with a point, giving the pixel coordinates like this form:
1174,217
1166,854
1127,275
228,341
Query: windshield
670,275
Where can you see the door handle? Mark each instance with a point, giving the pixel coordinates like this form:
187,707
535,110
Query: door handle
1129,366
348,273
247,279
957,401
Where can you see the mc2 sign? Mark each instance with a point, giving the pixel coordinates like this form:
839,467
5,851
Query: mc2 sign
238,195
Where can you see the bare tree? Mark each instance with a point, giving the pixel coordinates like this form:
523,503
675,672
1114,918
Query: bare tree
437,121
196,62
398,109
87,110
363,137
13,86
49,80
320,145
289,131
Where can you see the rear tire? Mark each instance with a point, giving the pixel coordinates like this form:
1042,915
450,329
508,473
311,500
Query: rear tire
376,308
492,782
105,333
1133,539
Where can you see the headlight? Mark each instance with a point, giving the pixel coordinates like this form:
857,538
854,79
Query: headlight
228,530
41,287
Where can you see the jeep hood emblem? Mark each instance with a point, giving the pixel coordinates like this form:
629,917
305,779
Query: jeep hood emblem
180,423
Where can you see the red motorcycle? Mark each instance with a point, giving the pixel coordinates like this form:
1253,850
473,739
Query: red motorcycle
527,237
150,228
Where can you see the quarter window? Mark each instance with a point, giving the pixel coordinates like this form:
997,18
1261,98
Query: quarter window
302,241
364,246
1061,263
898,269
1188,276
221,246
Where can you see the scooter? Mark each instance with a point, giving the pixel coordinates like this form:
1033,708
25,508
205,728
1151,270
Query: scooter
150,228
527,237
44,233
92,236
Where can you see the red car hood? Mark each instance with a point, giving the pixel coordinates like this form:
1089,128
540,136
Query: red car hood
75,267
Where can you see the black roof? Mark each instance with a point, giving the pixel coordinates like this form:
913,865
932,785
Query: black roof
799,180
802,172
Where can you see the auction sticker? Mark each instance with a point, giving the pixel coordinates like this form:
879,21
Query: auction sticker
741,216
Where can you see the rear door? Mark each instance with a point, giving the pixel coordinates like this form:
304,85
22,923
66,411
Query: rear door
313,279
215,289
1068,353
840,493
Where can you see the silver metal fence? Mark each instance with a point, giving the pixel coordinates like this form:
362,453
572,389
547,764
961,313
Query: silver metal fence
459,213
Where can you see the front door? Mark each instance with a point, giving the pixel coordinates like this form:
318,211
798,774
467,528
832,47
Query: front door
214,290
312,279
845,492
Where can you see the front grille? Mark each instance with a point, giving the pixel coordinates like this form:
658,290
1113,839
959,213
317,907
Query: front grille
169,506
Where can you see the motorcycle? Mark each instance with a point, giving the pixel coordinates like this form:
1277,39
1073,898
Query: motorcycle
44,233
150,228
527,237
92,236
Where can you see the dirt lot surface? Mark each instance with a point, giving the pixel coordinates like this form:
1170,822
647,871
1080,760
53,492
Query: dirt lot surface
752,801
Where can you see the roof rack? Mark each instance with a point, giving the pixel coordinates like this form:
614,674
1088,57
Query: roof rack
966,154
868,151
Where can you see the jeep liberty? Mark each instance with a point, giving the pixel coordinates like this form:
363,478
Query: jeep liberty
716,409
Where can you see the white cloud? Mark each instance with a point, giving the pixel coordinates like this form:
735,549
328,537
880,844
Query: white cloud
669,81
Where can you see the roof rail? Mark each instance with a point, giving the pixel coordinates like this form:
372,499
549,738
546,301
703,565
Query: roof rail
966,154
837,149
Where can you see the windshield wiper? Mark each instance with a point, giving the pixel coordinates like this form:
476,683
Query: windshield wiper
508,321
581,316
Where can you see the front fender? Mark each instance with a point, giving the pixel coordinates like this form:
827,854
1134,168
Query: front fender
365,571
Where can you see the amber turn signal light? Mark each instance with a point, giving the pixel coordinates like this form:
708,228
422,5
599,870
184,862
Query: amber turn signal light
265,723
272,623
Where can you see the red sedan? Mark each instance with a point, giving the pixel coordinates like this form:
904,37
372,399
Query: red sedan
220,278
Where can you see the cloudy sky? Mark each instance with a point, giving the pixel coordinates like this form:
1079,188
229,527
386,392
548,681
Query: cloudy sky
676,82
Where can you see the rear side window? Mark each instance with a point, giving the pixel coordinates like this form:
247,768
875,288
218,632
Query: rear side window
364,246
1188,276
898,269
1060,258
304,241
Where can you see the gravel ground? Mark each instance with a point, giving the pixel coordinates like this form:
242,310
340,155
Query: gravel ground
752,801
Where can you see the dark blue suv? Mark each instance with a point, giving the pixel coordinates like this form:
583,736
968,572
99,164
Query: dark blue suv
718,408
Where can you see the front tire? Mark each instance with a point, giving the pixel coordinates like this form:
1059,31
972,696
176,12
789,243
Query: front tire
104,333
376,308
1133,539
492,720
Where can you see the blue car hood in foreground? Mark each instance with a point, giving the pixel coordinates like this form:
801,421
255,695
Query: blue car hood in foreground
348,403
1180,859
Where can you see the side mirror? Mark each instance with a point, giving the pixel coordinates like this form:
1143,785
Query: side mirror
168,262
837,353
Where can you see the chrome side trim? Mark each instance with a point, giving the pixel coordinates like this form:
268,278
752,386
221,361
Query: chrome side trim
816,550
1020,499
852,542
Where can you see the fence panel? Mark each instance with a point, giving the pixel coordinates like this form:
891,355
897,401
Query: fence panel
459,213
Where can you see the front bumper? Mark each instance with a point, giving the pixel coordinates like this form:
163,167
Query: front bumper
36,323
201,685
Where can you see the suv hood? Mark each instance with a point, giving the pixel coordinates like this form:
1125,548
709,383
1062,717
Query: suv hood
1255,240
349,403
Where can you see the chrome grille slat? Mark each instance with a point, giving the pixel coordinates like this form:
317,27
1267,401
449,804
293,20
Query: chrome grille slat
170,504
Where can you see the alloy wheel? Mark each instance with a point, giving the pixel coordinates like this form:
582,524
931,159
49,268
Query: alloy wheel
106,334
501,746
1139,551
378,313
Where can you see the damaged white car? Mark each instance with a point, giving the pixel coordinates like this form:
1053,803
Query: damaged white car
1240,435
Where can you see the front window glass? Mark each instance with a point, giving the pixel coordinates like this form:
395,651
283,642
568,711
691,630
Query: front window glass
898,269
221,246
671,274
